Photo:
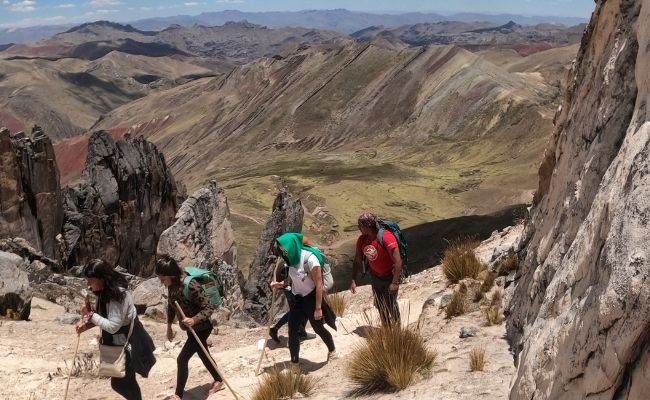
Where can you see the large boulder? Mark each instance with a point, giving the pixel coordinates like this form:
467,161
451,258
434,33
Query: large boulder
287,216
580,313
15,291
126,199
202,235
150,298
30,192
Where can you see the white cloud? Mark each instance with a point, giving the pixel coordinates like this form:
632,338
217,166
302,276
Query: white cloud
67,5
192,3
23,6
104,3
36,21
231,1
96,13
5,2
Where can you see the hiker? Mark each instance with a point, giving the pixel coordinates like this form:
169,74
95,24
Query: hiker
114,313
306,280
197,309
385,265
273,330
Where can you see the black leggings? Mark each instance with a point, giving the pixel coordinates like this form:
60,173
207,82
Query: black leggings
127,387
285,318
302,309
188,350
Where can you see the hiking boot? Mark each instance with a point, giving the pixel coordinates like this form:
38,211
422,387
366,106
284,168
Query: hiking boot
273,332
302,336
332,355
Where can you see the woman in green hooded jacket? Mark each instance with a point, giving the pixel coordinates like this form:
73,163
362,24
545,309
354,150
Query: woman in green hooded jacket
306,280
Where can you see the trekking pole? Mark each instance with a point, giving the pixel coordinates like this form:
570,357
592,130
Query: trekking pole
271,318
74,358
207,353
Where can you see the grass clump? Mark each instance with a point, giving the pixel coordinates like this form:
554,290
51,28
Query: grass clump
389,359
488,282
337,303
283,384
508,265
477,359
456,306
460,261
493,315
496,299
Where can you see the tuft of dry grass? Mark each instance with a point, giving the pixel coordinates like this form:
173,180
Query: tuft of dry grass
497,296
477,359
488,282
460,261
337,303
283,384
510,264
493,315
456,306
389,359
84,365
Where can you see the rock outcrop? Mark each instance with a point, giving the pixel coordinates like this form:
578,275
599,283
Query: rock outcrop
15,291
202,236
287,216
30,191
126,199
579,318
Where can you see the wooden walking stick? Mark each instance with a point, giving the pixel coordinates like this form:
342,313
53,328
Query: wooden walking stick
76,349
271,318
207,353
67,385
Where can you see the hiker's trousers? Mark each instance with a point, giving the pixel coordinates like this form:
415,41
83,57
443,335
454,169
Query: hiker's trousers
303,308
385,301
192,346
128,386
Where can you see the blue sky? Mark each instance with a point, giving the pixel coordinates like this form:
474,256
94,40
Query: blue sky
50,12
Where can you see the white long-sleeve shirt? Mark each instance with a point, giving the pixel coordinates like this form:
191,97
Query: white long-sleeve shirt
119,315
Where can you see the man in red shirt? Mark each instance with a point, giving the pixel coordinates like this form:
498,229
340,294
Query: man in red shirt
385,266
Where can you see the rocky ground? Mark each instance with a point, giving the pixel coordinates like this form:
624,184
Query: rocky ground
35,353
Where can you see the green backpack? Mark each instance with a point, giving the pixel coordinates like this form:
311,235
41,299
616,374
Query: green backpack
393,227
208,280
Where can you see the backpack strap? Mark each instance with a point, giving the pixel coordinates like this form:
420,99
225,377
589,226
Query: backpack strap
186,285
380,237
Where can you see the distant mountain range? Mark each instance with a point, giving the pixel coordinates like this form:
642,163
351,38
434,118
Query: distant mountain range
338,20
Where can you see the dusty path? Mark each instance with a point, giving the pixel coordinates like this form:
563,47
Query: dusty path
33,354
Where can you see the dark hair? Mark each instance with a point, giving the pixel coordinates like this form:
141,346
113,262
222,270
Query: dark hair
167,266
113,280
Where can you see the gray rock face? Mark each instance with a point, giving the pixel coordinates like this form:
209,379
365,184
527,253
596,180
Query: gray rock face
202,232
30,195
287,216
150,298
127,198
580,313
15,291
202,236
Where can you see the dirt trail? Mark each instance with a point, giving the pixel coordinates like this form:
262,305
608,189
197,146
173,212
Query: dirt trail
31,354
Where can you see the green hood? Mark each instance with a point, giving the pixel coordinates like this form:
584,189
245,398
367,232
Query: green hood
292,243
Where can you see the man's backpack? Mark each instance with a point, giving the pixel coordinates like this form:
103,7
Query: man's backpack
328,278
393,227
208,280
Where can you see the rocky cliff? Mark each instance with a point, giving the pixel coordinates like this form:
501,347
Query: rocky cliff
126,199
579,318
30,195
287,216
202,235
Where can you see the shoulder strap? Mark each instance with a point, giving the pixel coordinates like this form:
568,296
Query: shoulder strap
186,285
380,237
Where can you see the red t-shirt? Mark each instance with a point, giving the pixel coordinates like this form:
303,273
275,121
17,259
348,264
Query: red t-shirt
377,255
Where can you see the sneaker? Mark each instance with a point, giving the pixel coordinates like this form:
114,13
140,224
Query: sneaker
306,336
332,355
273,332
